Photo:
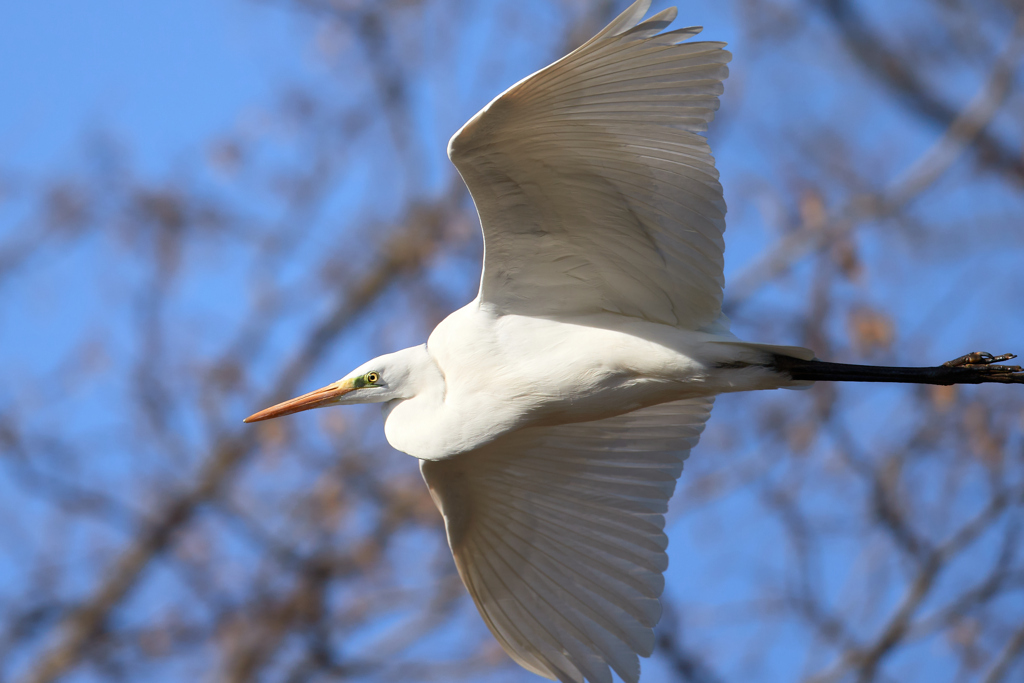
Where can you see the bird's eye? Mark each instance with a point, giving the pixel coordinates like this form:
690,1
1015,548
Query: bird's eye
372,377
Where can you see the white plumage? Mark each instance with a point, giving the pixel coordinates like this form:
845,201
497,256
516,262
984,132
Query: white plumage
557,534
553,413
594,190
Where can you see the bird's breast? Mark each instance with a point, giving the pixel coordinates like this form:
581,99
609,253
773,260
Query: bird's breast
504,373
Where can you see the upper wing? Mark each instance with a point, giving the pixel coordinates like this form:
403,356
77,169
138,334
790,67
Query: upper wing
594,191
557,534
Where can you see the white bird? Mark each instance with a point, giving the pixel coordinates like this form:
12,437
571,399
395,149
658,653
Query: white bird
553,413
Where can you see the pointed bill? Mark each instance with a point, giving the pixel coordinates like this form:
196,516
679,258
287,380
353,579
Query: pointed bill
314,399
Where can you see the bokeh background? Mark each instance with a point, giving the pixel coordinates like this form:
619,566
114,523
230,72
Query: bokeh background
207,206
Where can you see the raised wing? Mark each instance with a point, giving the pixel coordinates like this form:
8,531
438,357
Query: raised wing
557,534
594,191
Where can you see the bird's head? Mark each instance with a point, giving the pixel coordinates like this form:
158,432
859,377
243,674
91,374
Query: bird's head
377,381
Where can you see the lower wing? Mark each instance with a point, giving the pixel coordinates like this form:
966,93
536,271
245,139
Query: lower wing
557,532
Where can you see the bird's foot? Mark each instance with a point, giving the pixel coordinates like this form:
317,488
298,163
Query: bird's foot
981,360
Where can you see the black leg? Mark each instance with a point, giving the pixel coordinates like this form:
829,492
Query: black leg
973,368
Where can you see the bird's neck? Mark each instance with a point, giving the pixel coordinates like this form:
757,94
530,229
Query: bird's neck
416,425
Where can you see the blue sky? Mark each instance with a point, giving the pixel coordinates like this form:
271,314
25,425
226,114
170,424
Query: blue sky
164,75
165,78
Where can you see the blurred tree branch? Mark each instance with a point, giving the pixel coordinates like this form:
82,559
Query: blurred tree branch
963,129
409,249
896,73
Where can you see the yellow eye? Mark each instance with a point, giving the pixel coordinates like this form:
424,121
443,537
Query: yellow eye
372,377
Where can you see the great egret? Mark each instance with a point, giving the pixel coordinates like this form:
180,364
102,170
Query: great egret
552,414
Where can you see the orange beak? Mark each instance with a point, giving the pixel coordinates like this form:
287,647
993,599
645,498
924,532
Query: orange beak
314,399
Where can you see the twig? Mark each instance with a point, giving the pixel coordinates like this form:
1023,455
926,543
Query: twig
893,71
411,249
962,130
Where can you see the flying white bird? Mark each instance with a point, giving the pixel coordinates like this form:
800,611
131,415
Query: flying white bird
552,414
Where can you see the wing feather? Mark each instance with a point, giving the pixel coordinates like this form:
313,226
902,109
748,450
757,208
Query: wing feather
557,533
594,191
